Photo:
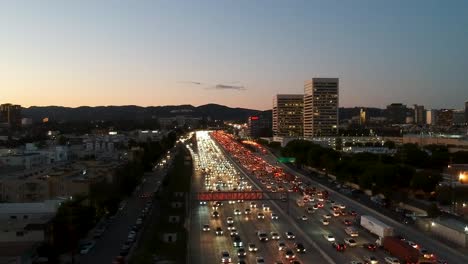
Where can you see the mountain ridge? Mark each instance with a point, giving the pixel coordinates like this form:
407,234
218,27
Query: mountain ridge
135,112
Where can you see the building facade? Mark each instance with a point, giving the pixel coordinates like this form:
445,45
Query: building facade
258,126
10,114
445,117
396,113
431,117
466,112
321,102
288,115
419,114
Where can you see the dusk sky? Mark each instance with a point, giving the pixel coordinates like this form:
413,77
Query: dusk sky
75,53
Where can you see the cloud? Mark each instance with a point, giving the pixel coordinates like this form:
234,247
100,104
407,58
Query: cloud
219,86
192,82
229,87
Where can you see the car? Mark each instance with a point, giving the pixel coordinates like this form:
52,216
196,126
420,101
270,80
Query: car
289,254
295,262
202,202
247,211
126,246
310,210
230,226
426,254
259,260
411,243
274,235
252,247
206,227
347,222
229,220
369,246
237,212
336,213
329,237
260,216
262,236
233,232
225,258
339,246
241,252
281,245
237,241
325,221
290,235
391,260
370,260
327,216
341,206
231,202
356,262
241,261
265,207
350,242
300,247
215,214
253,205
304,218
351,231
86,247
219,231
353,213
274,216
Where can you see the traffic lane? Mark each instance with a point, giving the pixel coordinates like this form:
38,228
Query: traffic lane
438,248
248,226
364,235
108,246
324,257
337,229
315,228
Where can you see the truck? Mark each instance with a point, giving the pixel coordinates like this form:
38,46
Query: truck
403,251
376,227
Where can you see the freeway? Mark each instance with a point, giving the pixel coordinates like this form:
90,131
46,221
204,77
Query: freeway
315,230
442,250
206,246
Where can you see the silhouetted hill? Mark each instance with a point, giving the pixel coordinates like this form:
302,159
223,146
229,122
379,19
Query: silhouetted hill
133,112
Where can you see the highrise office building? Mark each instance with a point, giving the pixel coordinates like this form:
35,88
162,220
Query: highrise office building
396,113
10,114
445,117
419,114
431,117
259,126
466,112
321,101
288,115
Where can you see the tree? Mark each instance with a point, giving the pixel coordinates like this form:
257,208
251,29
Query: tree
62,140
389,144
425,181
411,154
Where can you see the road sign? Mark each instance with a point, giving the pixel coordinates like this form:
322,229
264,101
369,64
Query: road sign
286,159
227,196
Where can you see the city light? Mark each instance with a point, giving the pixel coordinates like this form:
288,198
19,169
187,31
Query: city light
462,177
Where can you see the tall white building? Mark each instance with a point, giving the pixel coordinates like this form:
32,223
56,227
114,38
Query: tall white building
288,115
321,101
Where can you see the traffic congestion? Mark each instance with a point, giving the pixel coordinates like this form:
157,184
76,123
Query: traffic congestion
327,222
